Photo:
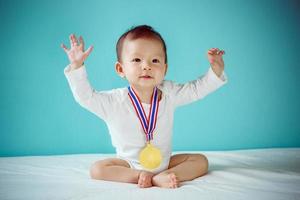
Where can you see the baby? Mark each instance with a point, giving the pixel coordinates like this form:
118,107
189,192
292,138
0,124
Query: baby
141,115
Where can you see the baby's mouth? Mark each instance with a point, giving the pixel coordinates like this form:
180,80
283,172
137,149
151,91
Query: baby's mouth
146,77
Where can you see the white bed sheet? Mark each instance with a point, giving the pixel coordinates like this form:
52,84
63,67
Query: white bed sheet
240,174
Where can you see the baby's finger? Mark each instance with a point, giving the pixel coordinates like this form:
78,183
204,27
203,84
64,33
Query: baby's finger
88,51
70,38
74,40
221,52
215,50
81,42
64,48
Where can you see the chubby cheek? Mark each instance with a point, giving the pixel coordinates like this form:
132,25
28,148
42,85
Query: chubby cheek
163,71
132,71
161,75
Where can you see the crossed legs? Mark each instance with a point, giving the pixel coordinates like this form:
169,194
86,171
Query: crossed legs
182,167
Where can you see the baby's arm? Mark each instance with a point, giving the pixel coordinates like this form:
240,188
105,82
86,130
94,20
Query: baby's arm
94,101
204,85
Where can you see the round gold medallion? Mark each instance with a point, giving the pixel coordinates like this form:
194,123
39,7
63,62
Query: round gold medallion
150,157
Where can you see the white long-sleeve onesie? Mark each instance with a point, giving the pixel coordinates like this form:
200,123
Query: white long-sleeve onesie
116,109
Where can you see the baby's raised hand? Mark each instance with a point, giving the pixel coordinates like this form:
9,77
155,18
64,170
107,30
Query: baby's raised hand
76,53
215,59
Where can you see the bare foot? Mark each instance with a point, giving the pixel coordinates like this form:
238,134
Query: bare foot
145,179
166,180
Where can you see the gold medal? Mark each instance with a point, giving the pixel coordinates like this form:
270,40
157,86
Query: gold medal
150,157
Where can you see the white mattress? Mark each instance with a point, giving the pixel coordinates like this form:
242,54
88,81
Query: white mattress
241,174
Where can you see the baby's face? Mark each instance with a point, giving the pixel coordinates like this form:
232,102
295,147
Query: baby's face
143,62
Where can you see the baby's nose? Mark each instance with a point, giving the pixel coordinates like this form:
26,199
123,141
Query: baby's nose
146,66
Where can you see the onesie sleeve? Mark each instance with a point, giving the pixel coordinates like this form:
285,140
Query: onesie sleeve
95,101
189,92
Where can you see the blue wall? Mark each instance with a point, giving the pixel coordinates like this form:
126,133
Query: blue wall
258,108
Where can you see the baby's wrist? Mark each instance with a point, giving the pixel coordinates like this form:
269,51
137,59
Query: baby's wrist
75,65
217,71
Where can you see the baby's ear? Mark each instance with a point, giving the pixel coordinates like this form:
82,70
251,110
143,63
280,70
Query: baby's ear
166,68
119,69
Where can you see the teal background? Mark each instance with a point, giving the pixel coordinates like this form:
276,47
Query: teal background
258,108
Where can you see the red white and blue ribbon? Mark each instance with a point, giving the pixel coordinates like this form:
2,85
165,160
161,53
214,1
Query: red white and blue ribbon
149,123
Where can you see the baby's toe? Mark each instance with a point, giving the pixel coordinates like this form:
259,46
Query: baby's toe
174,181
145,180
148,181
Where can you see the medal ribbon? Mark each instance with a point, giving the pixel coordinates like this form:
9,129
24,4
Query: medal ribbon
149,123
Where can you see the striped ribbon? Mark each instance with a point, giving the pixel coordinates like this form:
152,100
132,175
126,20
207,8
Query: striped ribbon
149,123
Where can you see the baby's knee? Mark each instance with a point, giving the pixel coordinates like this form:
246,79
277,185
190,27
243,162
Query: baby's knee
97,170
203,162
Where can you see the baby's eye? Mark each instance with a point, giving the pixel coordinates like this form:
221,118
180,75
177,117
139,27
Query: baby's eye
136,60
155,61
